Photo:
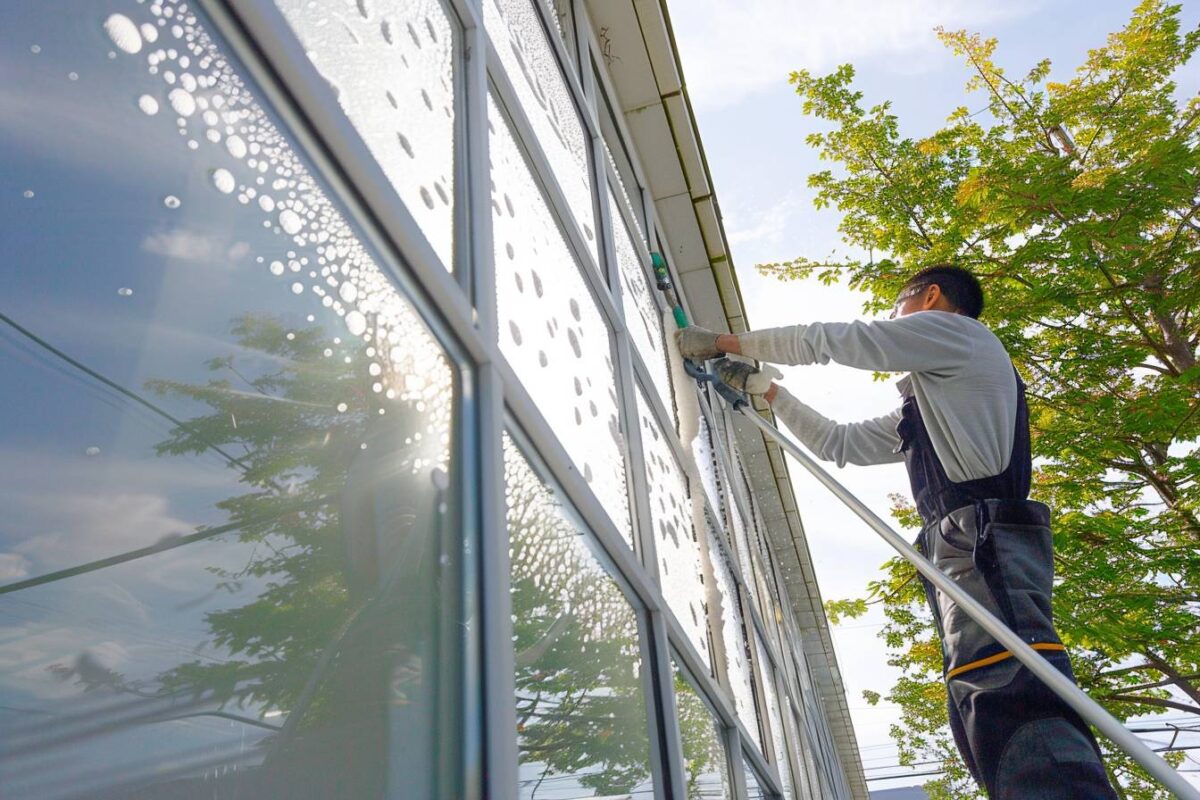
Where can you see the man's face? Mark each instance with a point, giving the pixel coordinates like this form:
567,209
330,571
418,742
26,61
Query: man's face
908,301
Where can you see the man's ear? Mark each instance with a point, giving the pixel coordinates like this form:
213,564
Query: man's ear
933,293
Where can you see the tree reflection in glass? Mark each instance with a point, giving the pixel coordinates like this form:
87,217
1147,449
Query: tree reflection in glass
581,705
705,764
226,443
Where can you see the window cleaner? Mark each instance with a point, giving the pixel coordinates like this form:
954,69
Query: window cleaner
985,551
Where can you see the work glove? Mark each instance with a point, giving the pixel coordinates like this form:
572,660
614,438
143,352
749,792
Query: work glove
746,377
696,343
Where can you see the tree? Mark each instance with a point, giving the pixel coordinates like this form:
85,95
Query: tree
1076,204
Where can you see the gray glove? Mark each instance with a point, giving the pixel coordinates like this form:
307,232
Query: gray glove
746,377
696,343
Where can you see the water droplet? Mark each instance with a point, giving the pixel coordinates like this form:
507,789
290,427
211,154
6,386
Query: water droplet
297,288
171,201
374,369
123,33
149,32
92,451
356,323
188,81
574,340
348,292
405,144
266,203
342,407
276,267
427,197
236,146
27,194
223,180
125,291
35,49
74,76
364,9
515,331
290,221
575,309
182,101
148,105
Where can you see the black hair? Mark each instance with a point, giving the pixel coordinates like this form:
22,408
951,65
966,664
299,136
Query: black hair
959,286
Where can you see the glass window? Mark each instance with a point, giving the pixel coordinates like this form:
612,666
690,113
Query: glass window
799,749
671,515
643,317
563,13
614,148
705,763
551,330
515,27
226,442
392,66
706,462
773,716
581,709
754,787
726,608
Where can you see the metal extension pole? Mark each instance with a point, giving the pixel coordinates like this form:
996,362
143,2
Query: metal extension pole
1087,708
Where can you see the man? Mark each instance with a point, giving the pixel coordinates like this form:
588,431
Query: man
963,433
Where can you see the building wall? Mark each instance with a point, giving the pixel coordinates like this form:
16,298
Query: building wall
344,454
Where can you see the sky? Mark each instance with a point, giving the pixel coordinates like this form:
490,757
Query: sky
736,57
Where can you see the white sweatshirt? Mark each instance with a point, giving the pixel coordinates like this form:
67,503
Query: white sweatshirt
960,373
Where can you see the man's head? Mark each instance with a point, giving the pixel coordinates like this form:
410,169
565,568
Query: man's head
941,288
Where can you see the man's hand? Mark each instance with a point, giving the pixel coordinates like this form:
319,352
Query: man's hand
696,343
745,377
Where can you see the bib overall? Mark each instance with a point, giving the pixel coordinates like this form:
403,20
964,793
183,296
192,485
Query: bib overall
1016,736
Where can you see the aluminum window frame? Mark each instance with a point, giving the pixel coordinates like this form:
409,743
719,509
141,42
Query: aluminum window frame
461,306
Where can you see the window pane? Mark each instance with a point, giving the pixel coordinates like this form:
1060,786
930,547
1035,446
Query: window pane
614,148
391,64
754,789
551,331
515,27
706,462
643,317
733,639
226,440
776,723
679,562
704,757
564,22
799,749
581,709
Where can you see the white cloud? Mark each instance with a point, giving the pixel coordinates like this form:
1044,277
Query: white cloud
80,527
13,566
732,49
762,227
184,245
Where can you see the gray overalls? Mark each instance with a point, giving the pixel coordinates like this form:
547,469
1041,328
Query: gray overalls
1019,740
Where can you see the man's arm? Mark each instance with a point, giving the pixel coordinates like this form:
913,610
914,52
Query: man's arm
872,441
930,341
